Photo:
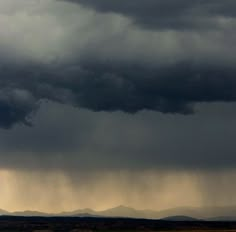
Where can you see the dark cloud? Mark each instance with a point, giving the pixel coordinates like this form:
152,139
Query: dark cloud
116,66
113,87
169,14
16,105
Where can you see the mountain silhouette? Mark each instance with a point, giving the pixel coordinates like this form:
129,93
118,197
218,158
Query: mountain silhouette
180,218
186,213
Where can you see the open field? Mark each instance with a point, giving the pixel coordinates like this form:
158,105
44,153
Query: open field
69,224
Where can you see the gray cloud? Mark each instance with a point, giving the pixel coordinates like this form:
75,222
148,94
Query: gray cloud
110,87
170,14
74,140
103,62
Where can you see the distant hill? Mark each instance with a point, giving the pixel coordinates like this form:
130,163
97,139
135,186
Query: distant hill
87,215
190,213
3,212
180,218
194,212
121,211
222,219
207,212
29,213
78,212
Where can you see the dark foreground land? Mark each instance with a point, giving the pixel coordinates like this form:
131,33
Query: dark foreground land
70,224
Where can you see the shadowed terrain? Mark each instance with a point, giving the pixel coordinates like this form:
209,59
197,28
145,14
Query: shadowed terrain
64,224
172,214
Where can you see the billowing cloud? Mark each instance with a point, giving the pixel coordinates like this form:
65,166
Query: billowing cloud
61,51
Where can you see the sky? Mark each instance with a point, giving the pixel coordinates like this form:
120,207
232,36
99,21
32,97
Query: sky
104,103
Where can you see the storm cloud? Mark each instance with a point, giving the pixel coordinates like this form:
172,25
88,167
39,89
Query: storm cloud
104,64
174,89
63,52
132,99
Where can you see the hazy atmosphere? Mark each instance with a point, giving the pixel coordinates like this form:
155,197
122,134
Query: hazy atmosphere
123,102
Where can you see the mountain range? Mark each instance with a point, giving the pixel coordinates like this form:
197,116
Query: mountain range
180,213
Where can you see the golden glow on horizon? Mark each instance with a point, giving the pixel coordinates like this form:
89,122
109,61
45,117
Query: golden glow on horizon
56,191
